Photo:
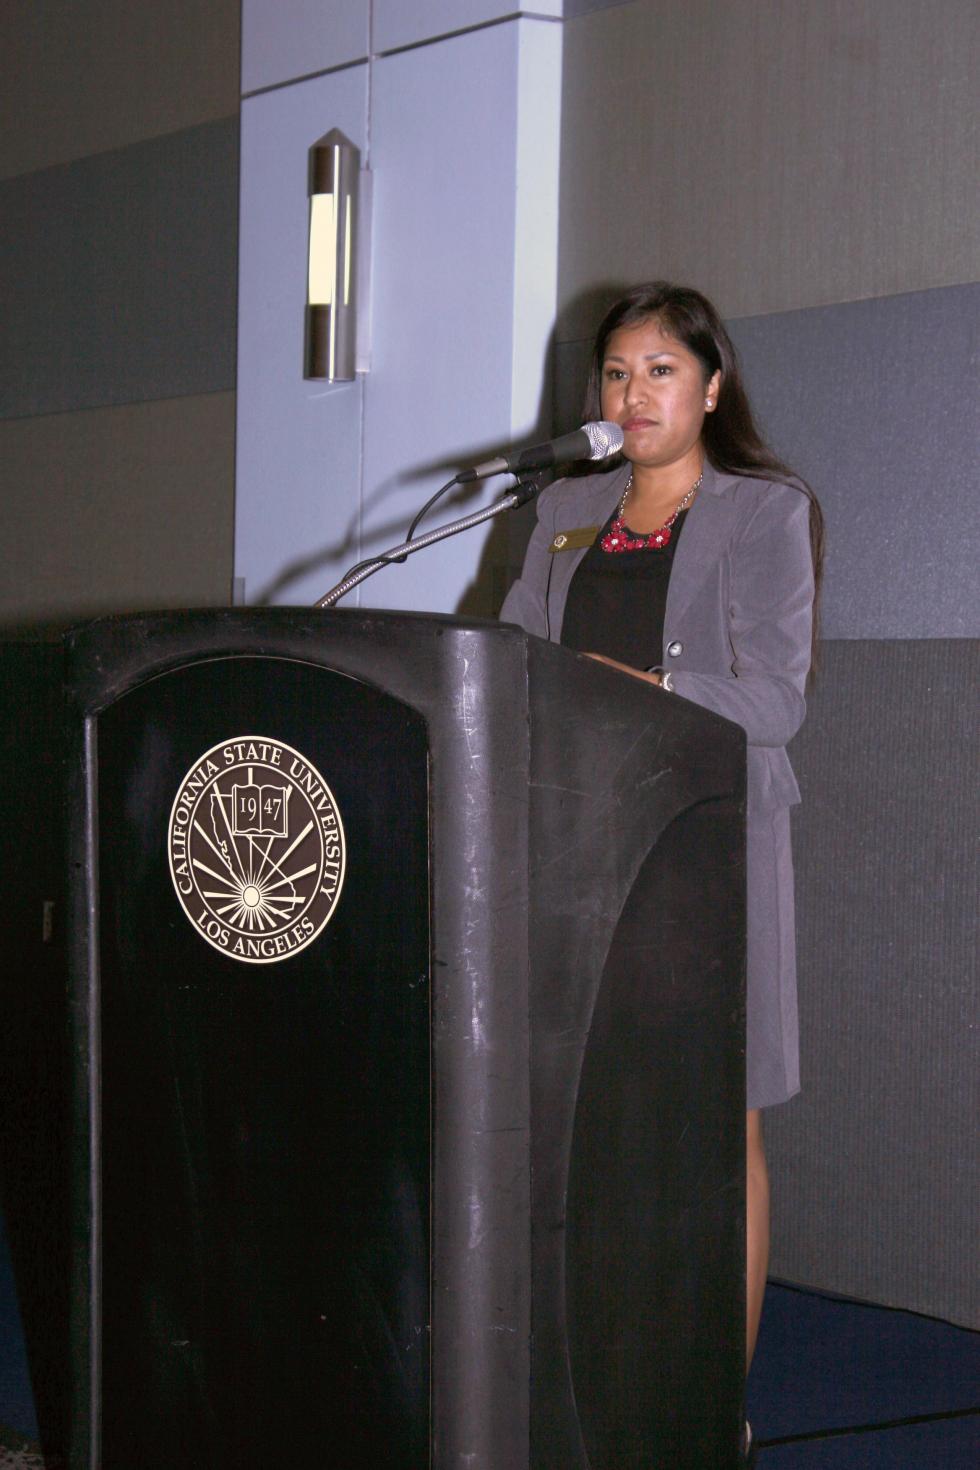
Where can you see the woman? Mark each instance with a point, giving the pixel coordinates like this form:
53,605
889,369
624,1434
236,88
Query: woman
702,580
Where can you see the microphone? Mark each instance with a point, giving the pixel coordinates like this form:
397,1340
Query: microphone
591,441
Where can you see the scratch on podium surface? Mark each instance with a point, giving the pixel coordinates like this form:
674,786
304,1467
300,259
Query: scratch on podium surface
477,1230
638,740
655,777
557,786
468,719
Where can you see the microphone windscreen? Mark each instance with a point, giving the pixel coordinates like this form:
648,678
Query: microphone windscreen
605,438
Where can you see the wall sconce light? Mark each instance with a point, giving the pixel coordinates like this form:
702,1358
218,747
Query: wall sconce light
331,301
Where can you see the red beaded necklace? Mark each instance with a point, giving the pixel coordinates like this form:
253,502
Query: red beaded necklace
619,537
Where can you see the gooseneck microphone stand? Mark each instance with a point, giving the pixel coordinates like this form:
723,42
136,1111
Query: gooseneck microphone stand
520,495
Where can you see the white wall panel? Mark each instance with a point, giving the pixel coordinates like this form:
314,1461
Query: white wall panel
464,136
399,24
455,290
298,447
285,39
536,224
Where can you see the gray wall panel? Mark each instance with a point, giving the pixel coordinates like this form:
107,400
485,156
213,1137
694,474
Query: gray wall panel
778,155
876,403
875,1165
81,78
117,509
118,275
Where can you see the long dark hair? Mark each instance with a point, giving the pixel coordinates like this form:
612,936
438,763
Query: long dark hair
731,439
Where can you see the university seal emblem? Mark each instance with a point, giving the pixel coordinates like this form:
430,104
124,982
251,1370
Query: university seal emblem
256,849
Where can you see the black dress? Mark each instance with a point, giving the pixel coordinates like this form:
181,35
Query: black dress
617,601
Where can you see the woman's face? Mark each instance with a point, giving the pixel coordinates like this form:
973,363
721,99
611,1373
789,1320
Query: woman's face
654,388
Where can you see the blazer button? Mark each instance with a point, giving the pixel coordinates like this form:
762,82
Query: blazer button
675,650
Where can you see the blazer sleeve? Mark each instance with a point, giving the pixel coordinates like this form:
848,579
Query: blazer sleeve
770,618
527,601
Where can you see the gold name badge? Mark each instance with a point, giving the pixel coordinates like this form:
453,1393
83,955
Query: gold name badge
574,540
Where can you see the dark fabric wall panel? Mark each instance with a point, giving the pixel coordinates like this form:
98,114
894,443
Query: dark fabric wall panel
875,1164
875,402
118,275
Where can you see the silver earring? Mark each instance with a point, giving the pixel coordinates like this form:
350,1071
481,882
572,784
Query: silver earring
709,403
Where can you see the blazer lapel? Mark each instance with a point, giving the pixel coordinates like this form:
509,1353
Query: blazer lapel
590,500
707,531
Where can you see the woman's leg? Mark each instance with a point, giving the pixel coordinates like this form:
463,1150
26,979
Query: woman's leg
756,1228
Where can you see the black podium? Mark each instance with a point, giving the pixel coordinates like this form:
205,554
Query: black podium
408,1023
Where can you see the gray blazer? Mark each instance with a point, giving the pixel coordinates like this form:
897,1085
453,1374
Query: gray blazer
737,640
739,605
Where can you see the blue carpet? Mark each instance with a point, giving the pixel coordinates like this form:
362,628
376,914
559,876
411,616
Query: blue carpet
823,1363
951,1444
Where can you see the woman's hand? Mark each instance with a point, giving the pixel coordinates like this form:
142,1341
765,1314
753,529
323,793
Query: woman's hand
625,668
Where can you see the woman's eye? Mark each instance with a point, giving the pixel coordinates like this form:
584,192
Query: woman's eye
615,373
661,369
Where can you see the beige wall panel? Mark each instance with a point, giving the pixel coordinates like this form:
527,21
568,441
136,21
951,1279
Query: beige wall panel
117,509
84,78
777,154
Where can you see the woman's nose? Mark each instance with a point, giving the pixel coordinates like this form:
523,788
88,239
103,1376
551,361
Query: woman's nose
633,391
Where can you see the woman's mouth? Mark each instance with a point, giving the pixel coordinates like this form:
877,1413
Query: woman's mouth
632,426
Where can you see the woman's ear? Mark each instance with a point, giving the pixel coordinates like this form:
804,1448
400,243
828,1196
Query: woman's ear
711,392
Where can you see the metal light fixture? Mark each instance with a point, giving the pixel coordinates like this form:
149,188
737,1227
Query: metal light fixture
331,315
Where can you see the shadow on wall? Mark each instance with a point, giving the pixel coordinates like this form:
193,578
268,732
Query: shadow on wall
381,537
559,413
503,549
505,541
